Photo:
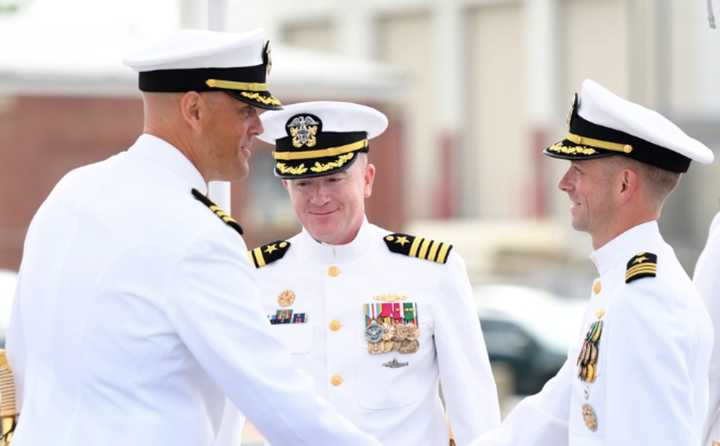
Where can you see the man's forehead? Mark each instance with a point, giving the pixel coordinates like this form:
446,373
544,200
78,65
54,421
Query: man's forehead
341,174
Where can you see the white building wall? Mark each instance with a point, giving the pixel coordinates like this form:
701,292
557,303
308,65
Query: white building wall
496,139
511,67
395,32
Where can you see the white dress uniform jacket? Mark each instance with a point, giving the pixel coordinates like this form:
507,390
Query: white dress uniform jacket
136,312
650,372
707,280
393,396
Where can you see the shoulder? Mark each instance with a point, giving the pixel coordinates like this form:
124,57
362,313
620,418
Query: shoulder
194,226
418,247
711,251
656,282
659,269
715,224
268,253
215,209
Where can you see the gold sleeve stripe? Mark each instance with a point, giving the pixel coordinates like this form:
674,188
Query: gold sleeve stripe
424,248
444,248
433,250
414,246
250,257
259,259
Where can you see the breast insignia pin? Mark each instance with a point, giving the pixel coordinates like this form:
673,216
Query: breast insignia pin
394,364
286,298
589,417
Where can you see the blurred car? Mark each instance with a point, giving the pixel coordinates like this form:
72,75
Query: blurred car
8,279
527,332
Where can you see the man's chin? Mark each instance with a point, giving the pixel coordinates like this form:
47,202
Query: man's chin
239,173
325,233
579,226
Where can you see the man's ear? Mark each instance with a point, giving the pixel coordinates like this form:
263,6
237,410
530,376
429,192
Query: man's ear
191,104
369,179
629,183
284,184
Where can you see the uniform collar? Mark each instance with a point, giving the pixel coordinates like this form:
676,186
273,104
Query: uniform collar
635,240
164,155
348,252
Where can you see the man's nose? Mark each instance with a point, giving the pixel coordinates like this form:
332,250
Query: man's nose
564,184
257,126
318,194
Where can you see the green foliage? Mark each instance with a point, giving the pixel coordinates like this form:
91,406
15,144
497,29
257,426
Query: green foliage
8,7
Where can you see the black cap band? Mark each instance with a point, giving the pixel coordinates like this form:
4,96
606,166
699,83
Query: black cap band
195,79
325,140
588,140
642,150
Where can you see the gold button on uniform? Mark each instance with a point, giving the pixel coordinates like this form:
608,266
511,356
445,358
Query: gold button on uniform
333,271
336,380
597,287
335,325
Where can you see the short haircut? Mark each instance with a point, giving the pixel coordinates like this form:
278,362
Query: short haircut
660,182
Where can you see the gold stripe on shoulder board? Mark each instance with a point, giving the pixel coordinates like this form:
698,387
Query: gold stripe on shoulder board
419,247
268,253
228,220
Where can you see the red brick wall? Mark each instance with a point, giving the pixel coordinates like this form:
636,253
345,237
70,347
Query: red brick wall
42,138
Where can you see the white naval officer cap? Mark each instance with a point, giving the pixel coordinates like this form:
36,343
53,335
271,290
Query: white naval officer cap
319,138
201,60
603,124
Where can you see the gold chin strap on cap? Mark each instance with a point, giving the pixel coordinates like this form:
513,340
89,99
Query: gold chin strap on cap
233,85
599,143
8,407
321,153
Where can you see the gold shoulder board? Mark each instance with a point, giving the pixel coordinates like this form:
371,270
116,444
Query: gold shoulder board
266,254
419,247
217,211
641,265
8,407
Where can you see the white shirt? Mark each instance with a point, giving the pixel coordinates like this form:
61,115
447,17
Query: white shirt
136,312
654,350
393,396
707,280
